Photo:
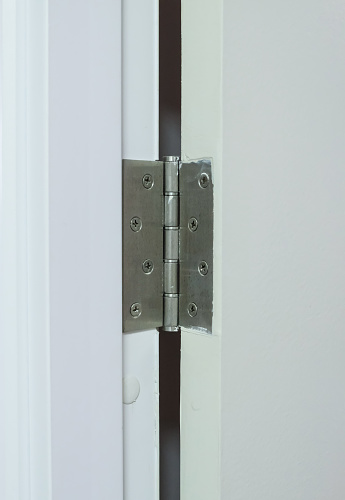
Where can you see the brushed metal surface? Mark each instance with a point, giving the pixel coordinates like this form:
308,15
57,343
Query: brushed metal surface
196,201
171,243
171,172
145,289
171,217
171,312
171,277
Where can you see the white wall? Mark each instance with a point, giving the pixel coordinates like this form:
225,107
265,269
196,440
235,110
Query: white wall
283,333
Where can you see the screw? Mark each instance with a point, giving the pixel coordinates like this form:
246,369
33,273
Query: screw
204,180
193,224
136,224
147,266
192,309
147,181
203,268
136,310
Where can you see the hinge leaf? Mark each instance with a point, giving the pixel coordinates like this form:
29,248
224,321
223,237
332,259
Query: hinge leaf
196,245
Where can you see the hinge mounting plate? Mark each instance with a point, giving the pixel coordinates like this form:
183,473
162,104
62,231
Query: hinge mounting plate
167,245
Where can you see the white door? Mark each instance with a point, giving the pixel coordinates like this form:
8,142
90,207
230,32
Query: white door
262,407
69,115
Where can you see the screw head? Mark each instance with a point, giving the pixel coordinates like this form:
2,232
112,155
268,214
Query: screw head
147,181
147,266
193,224
192,309
135,310
204,180
203,268
136,224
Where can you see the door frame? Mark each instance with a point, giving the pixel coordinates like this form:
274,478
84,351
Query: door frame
202,32
61,341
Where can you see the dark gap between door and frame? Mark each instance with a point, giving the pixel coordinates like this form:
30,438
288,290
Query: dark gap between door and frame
169,342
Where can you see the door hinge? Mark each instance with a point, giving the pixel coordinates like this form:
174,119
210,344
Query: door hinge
167,222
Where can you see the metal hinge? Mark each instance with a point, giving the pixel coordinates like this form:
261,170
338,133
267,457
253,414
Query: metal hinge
167,245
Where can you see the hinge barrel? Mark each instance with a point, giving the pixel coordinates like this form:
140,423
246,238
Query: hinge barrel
171,244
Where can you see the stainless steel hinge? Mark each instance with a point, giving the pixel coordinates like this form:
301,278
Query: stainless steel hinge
167,245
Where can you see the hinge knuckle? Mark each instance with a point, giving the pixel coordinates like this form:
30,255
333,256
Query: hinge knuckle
171,312
171,171
171,284
171,243
171,240
171,210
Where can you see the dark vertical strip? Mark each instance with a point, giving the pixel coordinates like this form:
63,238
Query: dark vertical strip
169,382
169,78
170,343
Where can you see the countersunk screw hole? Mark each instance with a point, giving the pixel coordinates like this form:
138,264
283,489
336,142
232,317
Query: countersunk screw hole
193,224
147,266
203,268
136,224
135,310
147,181
204,180
192,309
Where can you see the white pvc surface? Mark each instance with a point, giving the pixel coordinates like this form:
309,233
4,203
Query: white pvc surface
85,248
141,350
283,344
24,261
65,117
61,340
262,400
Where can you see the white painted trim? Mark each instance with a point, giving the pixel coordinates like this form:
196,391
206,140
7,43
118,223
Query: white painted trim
201,354
140,141
85,248
61,422
25,384
140,80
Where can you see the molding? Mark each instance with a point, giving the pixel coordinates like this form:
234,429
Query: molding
25,385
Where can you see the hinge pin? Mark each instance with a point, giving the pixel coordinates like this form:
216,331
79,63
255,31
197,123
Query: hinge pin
171,243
